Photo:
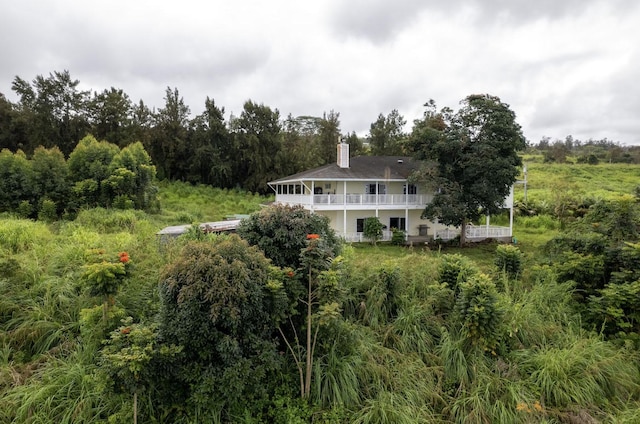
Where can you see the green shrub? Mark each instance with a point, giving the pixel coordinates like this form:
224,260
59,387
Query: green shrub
398,237
281,233
478,312
25,209
372,229
123,202
509,260
47,211
455,269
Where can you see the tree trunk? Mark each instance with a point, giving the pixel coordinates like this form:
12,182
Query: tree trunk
135,407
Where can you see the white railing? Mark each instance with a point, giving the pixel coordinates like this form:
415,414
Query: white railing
354,199
474,232
359,237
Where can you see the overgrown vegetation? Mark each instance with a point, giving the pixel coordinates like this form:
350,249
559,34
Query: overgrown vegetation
196,330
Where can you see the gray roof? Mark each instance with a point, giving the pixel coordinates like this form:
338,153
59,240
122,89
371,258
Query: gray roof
360,168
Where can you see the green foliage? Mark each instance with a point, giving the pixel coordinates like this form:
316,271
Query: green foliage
585,372
398,237
47,212
16,180
281,231
127,355
509,260
455,269
479,313
586,271
104,275
472,155
372,229
25,209
616,308
20,235
216,303
391,344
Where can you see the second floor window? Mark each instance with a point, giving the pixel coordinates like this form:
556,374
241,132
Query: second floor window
410,189
371,189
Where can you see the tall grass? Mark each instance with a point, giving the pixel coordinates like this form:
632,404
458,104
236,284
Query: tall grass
66,391
18,235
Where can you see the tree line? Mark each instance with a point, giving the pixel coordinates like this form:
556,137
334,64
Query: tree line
591,151
97,173
244,151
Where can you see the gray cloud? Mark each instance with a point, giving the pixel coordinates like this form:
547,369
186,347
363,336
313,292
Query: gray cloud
565,67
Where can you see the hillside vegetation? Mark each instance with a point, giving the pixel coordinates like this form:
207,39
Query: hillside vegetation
100,322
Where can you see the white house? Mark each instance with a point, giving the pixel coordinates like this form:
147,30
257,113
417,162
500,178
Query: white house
354,189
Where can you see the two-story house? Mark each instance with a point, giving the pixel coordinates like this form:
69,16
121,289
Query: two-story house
354,189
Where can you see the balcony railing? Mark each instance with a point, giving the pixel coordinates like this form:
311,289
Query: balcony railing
354,199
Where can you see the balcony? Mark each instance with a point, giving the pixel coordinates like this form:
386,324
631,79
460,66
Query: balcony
327,200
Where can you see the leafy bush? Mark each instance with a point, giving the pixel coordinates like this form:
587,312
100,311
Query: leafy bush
509,260
281,232
397,237
47,211
586,271
372,229
218,304
478,312
455,269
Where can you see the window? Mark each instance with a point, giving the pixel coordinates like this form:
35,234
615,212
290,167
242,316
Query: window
410,189
371,189
360,225
399,223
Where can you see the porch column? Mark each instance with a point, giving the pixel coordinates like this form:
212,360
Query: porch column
344,208
313,190
406,222
344,221
511,221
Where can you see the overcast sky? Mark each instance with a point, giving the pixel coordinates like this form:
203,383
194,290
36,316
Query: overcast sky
564,66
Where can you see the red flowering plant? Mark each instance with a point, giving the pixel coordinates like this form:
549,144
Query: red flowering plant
105,274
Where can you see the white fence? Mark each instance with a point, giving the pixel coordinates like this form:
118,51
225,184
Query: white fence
474,232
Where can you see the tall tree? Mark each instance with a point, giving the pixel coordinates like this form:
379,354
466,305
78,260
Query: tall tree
51,176
356,147
16,181
170,142
111,117
329,137
472,158
89,167
386,134
55,108
258,141
211,146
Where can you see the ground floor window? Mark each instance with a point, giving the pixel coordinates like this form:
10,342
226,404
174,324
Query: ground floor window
360,225
399,223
